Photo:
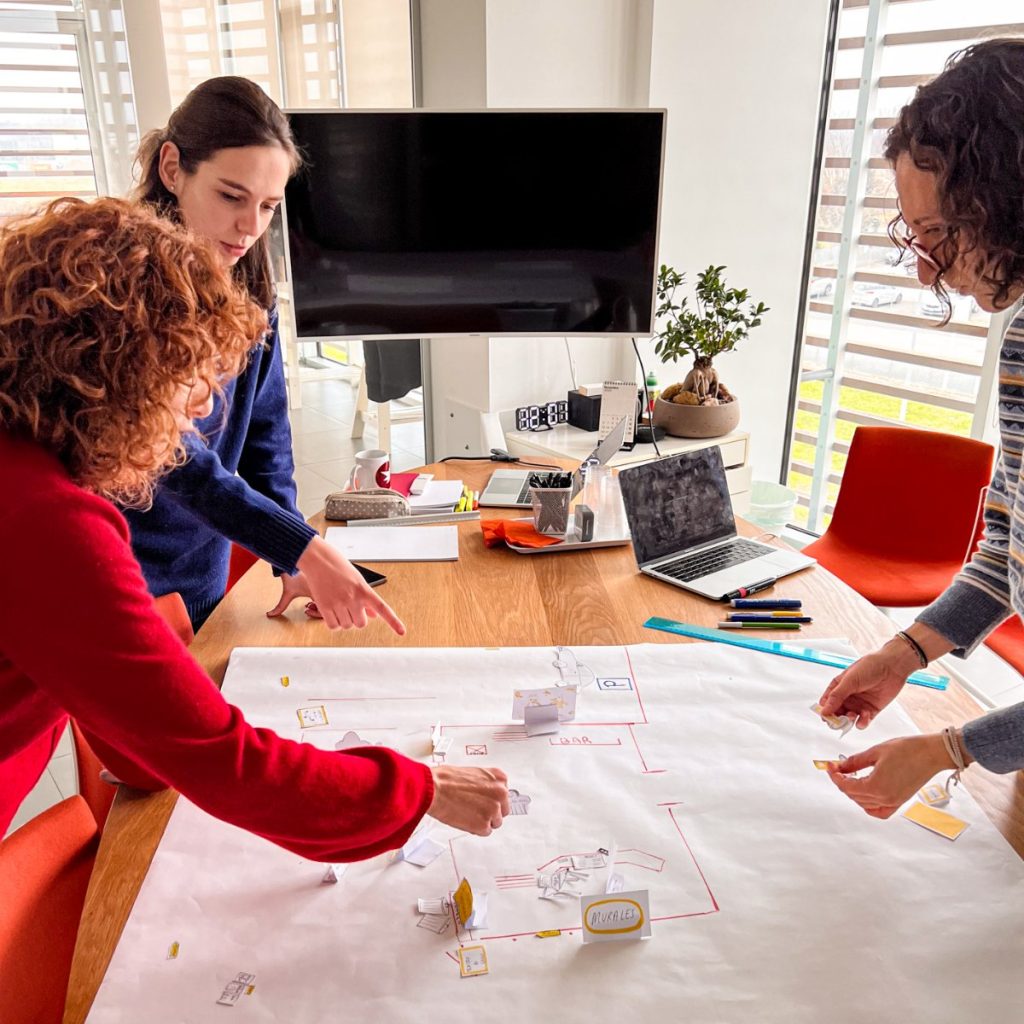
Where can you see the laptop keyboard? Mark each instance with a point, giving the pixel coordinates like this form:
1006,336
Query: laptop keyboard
704,563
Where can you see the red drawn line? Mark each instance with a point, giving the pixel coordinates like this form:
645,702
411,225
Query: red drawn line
656,771
636,686
452,955
637,745
714,902
671,803
325,700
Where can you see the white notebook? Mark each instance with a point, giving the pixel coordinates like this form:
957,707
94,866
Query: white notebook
395,543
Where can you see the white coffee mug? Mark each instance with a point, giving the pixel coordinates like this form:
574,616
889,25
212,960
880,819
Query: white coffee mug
372,469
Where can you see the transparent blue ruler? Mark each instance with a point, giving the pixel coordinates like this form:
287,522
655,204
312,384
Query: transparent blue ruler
785,650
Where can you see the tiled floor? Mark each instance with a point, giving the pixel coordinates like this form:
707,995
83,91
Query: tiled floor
324,457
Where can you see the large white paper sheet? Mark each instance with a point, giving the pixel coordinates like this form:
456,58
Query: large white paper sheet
773,898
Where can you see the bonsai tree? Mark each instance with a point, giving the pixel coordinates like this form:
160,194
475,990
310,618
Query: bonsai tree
722,319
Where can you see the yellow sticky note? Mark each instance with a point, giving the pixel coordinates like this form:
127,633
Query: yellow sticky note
823,765
463,898
172,952
549,933
935,820
285,681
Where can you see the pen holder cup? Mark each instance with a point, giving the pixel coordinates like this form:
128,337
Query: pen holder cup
551,505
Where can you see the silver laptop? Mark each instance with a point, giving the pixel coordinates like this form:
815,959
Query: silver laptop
684,533
510,488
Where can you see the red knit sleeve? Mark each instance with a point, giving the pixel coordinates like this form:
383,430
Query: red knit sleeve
77,620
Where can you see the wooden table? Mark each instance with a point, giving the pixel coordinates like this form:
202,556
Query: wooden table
487,596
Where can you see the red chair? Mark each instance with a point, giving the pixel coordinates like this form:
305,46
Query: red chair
908,513
242,559
99,795
44,873
1008,642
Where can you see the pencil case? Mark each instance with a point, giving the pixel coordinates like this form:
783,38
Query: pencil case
373,503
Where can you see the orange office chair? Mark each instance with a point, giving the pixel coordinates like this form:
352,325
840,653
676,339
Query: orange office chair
908,513
99,795
1008,642
44,873
242,559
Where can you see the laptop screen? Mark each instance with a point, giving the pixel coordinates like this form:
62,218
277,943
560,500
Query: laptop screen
677,503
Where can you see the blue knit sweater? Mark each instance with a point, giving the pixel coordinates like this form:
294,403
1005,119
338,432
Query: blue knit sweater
991,585
236,486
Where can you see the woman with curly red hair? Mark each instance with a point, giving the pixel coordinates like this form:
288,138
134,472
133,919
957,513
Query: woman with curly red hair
117,327
958,153
220,168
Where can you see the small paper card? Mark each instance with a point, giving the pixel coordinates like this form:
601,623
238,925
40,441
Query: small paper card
935,820
310,717
472,961
333,874
934,794
840,722
541,721
233,989
439,743
615,917
561,697
420,849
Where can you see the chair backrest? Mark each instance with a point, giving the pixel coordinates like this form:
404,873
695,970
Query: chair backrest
44,874
242,559
912,493
172,608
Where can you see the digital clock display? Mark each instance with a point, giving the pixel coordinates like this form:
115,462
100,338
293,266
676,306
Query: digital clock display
541,417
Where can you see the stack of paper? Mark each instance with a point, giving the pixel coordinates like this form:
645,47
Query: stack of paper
396,543
437,496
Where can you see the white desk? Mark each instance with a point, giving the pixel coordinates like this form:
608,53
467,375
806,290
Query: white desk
568,442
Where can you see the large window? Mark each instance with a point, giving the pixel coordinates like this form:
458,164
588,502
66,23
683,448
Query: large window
304,53
67,123
871,348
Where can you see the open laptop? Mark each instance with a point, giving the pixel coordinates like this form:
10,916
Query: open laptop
510,488
683,529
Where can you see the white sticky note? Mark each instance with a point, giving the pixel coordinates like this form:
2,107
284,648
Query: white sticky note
420,849
333,874
615,917
478,919
542,720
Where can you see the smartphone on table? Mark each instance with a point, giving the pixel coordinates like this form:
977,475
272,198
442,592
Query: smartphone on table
375,579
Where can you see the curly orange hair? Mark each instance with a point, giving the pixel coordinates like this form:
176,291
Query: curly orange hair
106,310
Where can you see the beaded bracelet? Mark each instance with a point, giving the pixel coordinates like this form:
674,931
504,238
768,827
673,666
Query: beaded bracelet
915,647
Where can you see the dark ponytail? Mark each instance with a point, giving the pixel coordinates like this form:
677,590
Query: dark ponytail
221,113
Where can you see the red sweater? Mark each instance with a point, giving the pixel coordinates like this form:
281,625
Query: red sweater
79,635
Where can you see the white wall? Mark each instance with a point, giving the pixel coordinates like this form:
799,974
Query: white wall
741,82
574,53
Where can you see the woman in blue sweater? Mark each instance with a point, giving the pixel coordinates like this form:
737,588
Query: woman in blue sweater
958,154
220,167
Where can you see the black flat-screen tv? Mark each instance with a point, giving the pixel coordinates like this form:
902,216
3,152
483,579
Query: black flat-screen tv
413,224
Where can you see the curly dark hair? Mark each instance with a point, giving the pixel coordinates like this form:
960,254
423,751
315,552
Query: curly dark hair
967,128
106,311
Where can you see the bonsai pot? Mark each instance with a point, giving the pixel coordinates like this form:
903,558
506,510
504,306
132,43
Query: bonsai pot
697,420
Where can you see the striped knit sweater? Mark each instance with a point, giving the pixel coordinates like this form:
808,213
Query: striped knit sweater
990,587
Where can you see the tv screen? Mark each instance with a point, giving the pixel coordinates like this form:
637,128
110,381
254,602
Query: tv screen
421,224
